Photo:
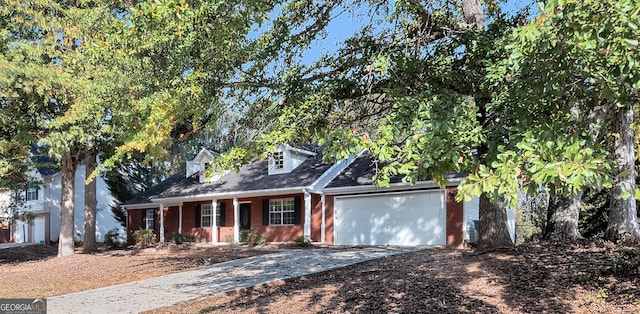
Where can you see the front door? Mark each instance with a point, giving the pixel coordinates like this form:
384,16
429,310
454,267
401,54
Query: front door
245,216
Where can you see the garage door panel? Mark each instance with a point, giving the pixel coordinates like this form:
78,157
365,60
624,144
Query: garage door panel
401,219
417,234
406,235
396,206
39,229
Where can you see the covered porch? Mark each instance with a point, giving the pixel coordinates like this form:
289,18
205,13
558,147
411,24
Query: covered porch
280,216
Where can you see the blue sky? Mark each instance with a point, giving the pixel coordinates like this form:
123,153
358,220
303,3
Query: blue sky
346,22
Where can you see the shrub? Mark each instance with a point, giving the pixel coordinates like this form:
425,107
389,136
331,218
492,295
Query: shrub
177,238
188,238
144,237
112,238
251,237
228,238
303,241
244,235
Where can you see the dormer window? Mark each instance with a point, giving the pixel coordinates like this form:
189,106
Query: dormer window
278,159
286,158
199,165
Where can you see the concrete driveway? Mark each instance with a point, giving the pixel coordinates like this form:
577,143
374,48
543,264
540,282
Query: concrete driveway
210,280
11,245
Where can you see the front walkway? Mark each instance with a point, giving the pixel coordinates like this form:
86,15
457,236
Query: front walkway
210,280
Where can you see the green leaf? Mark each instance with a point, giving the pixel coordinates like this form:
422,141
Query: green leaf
625,194
631,43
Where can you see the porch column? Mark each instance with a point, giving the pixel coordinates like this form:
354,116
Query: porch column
307,215
214,221
180,219
236,220
322,223
161,223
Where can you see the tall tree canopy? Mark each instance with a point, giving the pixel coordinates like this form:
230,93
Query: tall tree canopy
32,88
569,86
427,87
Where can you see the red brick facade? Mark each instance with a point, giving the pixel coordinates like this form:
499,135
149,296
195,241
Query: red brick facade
288,233
455,218
329,219
316,218
5,235
275,233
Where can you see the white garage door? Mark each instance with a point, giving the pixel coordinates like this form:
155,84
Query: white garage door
416,218
39,229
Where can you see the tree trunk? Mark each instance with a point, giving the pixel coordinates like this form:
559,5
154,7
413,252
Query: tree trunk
623,219
473,13
562,218
66,242
494,229
90,203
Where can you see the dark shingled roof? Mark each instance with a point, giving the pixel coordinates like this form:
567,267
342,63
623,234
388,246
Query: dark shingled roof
154,191
45,164
251,177
362,170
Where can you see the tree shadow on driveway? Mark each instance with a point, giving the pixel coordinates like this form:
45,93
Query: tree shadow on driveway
528,279
404,283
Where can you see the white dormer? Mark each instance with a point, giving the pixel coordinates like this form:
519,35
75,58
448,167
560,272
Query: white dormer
199,164
287,158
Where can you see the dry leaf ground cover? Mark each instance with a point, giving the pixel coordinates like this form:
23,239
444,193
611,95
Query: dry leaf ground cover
594,277
34,271
589,277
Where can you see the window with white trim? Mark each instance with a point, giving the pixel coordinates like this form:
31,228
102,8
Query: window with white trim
281,211
278,160
205,215
149,219
32,194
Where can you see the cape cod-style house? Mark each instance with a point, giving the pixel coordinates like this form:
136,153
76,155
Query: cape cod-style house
294,193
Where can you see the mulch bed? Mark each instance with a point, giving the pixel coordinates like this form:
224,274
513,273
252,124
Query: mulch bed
13,256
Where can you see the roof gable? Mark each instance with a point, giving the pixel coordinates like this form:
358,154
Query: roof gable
199,162
203,156
45,164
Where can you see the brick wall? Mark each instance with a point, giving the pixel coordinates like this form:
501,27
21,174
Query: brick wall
455,218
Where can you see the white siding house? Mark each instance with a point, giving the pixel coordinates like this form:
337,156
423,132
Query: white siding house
472,215
47,209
